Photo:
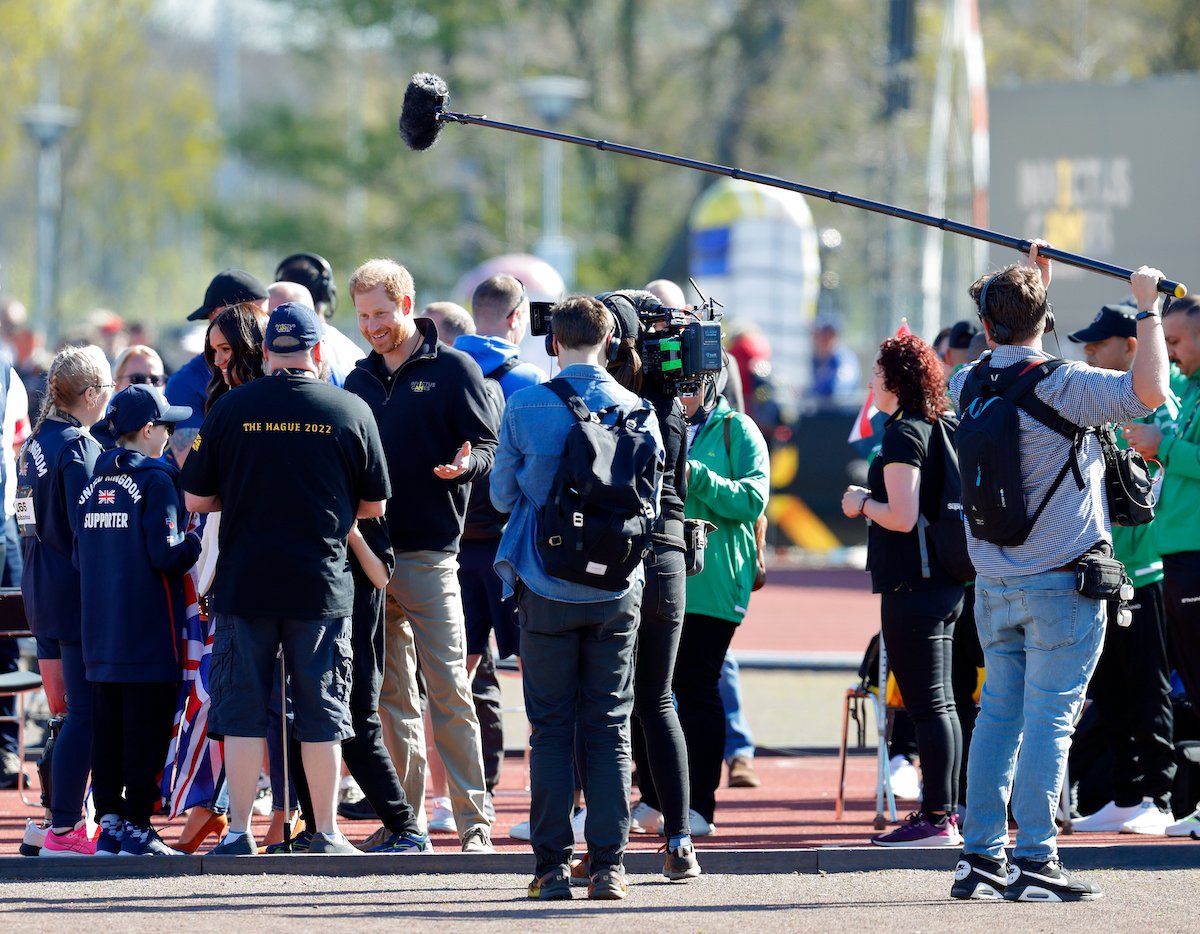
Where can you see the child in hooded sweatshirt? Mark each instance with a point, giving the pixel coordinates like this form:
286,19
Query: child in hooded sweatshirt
132,553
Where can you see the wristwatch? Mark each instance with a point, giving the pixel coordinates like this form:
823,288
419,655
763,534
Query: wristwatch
1148,313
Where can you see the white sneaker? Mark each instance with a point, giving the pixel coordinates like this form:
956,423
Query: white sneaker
1150,819
442,819
262,796
35,837
521,831
644,819
699,827
348,791
578,820
1185,825
906,780
1106,820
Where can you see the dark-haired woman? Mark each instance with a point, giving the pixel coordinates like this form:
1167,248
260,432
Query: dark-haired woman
661,760
233,348
918,611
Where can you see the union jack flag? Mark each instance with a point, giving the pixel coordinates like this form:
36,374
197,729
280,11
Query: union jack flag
193,760
107,497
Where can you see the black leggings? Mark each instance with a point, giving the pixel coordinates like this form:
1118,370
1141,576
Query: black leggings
918,631
968,659
132,724
702,648
659,750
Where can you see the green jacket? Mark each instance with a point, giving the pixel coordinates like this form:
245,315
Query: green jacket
1175,526
1137,546
730,490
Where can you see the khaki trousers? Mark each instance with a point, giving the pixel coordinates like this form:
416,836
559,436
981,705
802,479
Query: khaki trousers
424,620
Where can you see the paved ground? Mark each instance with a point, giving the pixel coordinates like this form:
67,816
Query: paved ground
895,900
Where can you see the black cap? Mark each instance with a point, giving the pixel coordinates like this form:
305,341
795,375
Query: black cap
1110,321
961,335
229,287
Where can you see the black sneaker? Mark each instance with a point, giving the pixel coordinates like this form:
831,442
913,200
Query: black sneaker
1032,880
145,841
979,877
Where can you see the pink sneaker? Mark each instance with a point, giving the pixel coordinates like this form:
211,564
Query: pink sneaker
74,842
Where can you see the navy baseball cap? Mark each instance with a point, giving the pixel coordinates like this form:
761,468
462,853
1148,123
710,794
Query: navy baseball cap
961,334
1110,321
292,328
134,407
229,287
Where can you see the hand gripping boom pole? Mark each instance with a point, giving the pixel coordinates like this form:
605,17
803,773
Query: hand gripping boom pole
425,112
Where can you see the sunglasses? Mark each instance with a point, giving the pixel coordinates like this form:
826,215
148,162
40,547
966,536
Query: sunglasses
170,426
139,379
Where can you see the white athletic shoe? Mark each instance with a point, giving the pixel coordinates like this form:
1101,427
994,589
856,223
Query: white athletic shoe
1106,820
698,826
906,780
644,819
521,831
442,819
1150,819
1185,826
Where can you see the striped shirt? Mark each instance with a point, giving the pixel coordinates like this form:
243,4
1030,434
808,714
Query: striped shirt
1074,520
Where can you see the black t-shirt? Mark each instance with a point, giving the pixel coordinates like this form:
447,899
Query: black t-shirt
894,558
291,458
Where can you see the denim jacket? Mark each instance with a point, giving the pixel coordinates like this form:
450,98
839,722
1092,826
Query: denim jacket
532,437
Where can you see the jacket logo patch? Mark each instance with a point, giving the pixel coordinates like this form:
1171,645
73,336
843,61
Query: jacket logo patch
421,385
196,443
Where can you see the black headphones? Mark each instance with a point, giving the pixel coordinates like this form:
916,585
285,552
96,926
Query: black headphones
1002,333
612,345
314,272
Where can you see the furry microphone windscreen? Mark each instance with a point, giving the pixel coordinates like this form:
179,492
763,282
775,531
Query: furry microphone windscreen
419,125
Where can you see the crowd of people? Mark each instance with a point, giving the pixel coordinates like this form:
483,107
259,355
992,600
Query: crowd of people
353,530
357,529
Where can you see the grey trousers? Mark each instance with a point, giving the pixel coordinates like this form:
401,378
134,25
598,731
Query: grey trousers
577,672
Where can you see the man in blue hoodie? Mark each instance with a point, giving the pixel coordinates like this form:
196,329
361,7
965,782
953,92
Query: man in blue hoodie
132,551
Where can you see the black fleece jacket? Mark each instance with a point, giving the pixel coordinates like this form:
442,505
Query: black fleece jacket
434,402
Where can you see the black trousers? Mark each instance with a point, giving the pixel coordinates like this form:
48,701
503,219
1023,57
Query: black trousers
485,692
132,723
702,647
918,631
659,747
364,753
1132,693
1181,595
964,674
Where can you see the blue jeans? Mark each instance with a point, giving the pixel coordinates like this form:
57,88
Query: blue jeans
739,741
1041,640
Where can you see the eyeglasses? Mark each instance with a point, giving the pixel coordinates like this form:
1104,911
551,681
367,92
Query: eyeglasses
170,426
99,386
139,379
521,300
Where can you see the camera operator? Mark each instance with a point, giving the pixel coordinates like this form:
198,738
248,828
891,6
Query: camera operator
661,757
1041,635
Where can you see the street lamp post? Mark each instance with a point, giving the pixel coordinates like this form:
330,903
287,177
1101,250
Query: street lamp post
46,122
552,98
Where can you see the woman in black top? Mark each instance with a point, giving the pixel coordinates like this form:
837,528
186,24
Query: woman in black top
659,749
919,601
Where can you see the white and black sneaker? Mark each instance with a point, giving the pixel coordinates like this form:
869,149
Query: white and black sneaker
979,877
1032,880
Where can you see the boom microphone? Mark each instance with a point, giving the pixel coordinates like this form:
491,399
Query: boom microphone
424,99
424,112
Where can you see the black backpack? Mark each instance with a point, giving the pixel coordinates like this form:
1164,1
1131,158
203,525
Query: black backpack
988,445
944,533
595,525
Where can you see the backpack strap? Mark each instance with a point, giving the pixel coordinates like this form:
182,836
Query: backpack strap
504,368
565,391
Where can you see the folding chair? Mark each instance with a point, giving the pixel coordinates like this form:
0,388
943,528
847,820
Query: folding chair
16,684
855,705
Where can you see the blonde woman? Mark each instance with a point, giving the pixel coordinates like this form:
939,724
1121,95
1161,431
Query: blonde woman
55,464
138,364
